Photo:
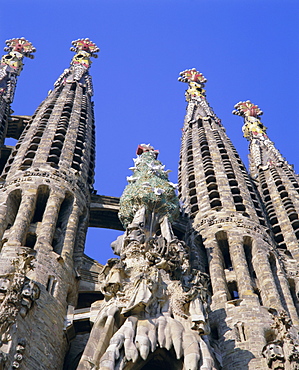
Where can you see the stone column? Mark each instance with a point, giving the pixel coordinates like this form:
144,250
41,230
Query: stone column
27,207
240,265
71,232
264,274
287,294
218,280
50,217
3,218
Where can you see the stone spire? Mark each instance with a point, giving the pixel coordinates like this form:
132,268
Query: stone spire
262,151
44,209
11,66
204,138
278,184
228,231
196,94
156,303
58,136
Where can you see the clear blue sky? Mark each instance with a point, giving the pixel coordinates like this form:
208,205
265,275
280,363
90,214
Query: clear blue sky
246,50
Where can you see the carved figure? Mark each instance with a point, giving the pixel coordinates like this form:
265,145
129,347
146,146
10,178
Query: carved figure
274,355
30,294
4,286
286,343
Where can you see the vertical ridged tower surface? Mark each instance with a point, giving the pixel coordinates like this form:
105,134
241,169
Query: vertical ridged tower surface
228,223
45,194
277,182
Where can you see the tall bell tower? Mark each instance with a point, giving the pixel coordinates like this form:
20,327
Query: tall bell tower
228,224
45,194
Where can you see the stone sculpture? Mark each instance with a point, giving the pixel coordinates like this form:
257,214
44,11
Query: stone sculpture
151,293
18,293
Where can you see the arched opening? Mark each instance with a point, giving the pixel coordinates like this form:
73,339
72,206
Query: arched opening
161,359
85,299
233,290
222,241
41,202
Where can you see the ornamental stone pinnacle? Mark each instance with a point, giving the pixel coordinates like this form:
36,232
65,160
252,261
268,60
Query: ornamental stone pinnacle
20,45
85,49
251,114
11,64
196,81
80,64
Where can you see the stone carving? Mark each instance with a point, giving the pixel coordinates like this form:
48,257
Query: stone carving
30,294
18,357
17,292
149,194
238,221
274,354
56,174
283,352
151,293
156,309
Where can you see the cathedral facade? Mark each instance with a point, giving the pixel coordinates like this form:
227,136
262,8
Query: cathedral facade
203,278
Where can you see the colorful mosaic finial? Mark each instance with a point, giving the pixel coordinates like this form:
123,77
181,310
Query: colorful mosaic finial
196,81
246,108
196,95
84,49
20,45
78,71
17,49
252,124
11,65
192,75
85,45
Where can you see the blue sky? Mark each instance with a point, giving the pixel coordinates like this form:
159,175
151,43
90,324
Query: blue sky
246,50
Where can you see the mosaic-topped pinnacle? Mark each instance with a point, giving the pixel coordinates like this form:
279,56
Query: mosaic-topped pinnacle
20,45
252,127
192,75
196,82
85,45
246,109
